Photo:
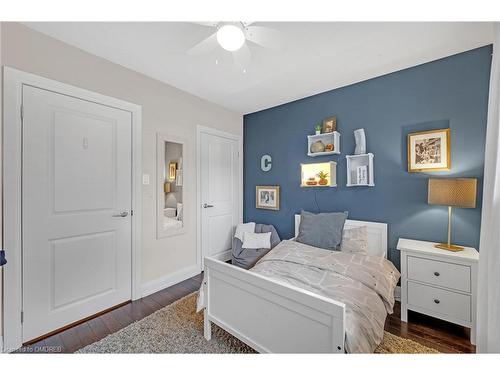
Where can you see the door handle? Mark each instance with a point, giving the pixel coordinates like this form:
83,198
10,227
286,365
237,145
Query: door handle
122,214
207,205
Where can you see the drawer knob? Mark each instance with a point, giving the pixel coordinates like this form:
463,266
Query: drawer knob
436,273
436,301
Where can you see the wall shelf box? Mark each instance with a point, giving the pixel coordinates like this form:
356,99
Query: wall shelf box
360,170
326,138
310,171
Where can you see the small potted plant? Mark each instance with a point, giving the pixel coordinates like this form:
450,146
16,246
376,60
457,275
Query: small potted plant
323,178
318,129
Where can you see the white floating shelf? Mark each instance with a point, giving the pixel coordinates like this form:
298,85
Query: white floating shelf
327,138
311,170
360,170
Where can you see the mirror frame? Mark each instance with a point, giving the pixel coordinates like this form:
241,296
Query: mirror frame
161,166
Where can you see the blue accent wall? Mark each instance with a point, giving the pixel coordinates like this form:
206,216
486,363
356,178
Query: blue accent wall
450,92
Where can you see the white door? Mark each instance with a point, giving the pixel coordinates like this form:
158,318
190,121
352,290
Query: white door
219,194
76,202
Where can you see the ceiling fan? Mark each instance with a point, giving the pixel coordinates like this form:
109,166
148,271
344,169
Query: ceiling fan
233,37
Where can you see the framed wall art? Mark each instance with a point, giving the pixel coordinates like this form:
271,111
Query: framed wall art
429,151
267,197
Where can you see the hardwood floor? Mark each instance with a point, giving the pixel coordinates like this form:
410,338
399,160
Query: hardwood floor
445,337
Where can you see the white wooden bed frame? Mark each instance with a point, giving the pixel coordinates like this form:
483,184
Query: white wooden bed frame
274,317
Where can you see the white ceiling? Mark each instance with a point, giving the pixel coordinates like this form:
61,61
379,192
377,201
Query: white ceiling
312,58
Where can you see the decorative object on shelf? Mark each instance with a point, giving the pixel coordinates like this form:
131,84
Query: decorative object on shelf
317,128
267,197
452,192
318,174
172,168
317,146
323,178
360,138
330,124
266,163
329,144
311,181
360,170
429,151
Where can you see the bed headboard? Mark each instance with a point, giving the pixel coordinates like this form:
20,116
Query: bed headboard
377,234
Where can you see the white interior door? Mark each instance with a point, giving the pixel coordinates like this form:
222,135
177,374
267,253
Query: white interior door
219,194
76,202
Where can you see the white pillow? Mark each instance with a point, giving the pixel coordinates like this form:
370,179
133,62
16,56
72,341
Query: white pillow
355,240
242,228
256,240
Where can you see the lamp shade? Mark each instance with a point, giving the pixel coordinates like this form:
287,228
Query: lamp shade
167,187
455,192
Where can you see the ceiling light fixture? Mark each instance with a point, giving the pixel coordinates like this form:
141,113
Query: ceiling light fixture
230,37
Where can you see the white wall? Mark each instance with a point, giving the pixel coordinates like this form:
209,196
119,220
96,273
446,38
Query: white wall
164,109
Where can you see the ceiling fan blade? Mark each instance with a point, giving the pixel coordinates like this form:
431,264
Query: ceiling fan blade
206,23
242,56
205,46
264,36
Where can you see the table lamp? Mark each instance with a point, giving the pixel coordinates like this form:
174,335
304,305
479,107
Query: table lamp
452,192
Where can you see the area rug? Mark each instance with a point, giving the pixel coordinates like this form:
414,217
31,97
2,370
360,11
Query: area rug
177,328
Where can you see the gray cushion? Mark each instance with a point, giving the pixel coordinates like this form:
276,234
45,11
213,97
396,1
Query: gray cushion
246,258
322,230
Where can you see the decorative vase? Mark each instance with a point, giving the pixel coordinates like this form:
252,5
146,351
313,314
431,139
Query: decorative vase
359,137
317,147
323,181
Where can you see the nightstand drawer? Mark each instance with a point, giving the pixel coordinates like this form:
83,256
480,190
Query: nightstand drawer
448,275
443,302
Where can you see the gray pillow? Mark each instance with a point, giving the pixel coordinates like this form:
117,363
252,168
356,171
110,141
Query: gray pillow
322,230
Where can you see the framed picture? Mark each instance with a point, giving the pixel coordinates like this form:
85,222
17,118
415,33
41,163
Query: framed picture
329,124
267,197
429,151
172,168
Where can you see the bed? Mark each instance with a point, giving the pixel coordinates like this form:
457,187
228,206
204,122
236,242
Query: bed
299,299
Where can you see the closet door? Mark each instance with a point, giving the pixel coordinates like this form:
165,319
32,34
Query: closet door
219,194
76,194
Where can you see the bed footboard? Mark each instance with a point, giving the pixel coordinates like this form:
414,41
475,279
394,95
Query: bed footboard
270,316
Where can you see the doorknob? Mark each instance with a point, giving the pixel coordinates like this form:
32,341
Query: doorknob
207,205
122,214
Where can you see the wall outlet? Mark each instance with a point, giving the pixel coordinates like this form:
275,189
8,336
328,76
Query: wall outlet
145,179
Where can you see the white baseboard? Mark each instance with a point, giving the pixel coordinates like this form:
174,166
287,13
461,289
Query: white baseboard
163,282
397,293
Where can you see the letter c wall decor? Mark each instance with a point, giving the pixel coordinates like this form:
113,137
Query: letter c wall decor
266,163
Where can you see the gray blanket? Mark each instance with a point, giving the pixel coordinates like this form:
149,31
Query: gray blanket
365,284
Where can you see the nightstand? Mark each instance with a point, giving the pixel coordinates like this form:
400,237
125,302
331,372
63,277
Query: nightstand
439,283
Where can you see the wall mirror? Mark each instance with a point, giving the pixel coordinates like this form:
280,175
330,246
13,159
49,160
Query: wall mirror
170,185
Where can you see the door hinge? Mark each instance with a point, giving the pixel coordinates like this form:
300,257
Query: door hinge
22,316
22,113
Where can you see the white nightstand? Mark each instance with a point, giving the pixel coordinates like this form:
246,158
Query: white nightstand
439,283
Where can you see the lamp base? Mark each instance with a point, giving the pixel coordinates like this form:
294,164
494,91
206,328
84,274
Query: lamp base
445,246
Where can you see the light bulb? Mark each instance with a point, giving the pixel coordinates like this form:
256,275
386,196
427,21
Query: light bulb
230,37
